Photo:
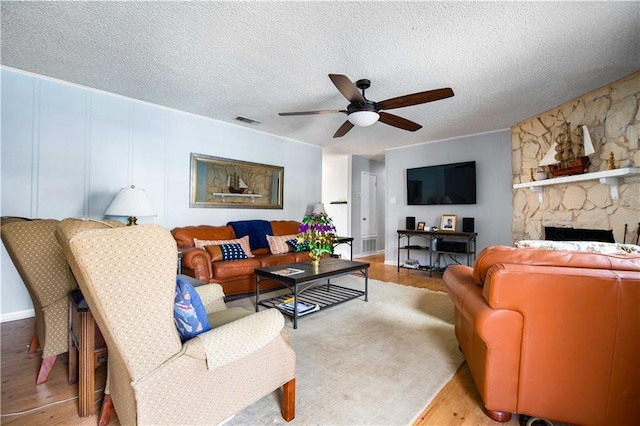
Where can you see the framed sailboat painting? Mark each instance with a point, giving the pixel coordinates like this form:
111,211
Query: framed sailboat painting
227,183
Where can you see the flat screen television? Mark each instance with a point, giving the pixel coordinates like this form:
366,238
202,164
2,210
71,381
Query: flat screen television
443,184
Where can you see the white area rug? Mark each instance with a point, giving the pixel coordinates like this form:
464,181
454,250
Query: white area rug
366,363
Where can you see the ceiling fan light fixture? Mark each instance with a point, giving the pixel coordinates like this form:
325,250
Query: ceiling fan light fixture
363,118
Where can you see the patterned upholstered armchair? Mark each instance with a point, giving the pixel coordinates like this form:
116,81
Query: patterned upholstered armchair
34,250
44,271
128,278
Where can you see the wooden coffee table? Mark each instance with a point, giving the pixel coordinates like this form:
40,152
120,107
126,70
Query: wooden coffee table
311,285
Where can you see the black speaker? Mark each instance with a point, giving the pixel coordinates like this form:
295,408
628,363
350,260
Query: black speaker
467,224
411,222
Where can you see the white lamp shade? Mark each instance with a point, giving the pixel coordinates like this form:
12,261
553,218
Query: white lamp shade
363,118
319,208
130,202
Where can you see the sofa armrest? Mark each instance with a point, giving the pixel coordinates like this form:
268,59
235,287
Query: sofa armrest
199,261
212,297
237,339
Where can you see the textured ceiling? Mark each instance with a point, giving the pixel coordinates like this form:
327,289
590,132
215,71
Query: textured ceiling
505,61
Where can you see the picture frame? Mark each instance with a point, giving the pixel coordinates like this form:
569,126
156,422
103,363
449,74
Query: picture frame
226,183
448,223
420,226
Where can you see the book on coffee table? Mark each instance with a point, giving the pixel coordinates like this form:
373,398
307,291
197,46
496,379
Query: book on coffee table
288,271
303,307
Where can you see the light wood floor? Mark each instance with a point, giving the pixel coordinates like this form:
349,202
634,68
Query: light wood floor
457,404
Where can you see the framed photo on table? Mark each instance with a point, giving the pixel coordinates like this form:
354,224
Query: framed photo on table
420,226
448,222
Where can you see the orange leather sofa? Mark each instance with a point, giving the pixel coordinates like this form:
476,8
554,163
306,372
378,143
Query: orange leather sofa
235,276
551,334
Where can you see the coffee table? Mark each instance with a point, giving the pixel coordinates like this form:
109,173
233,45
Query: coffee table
312,285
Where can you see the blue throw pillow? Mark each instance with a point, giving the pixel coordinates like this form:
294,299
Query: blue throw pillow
298,247
232,251
188,311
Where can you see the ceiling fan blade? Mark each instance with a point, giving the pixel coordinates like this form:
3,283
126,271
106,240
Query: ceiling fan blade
416,98
399,122
348,89
346,126
324,111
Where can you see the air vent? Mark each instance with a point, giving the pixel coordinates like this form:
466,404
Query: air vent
247,120
369,245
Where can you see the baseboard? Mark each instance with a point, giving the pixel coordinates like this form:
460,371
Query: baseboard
18,315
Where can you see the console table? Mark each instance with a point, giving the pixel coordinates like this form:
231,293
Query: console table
466,240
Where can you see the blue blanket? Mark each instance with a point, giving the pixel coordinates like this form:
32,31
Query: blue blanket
257,230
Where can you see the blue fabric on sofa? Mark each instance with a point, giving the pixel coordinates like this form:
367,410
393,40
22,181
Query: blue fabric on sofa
257,230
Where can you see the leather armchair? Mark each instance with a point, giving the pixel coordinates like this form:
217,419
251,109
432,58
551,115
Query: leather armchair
128,278
551,334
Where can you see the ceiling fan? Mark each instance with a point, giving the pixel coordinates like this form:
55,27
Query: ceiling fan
363,112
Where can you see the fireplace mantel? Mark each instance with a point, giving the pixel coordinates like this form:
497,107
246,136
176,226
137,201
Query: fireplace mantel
607,177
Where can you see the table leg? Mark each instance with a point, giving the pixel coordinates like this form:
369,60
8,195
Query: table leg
295,306
366,285
73,350
86,383
257,292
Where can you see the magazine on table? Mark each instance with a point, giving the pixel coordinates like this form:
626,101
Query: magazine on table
288,271
304,308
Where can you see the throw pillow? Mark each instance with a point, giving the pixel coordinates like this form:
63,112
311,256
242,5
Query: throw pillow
244,242
226,252
298,247
189,313
278,243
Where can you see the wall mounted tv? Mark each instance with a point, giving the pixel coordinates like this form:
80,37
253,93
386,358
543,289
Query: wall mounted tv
444,184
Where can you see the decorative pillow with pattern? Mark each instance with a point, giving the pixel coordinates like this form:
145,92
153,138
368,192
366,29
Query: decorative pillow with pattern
189,313
278,243
226,252
298,247
244,242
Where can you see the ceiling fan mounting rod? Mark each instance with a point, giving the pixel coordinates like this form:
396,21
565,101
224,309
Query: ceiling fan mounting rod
363,85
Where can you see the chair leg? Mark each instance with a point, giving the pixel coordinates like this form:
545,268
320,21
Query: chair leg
107,410
498,416
33,346
289,400
45,368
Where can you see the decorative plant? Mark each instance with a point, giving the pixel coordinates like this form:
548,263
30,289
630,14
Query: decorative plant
318,231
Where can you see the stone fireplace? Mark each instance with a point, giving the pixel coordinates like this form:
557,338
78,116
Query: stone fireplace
611,114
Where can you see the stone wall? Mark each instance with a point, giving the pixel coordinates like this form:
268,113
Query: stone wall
612,117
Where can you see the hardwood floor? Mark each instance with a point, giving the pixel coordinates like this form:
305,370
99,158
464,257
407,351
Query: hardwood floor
55,401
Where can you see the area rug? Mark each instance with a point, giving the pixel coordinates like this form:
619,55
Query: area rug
366,363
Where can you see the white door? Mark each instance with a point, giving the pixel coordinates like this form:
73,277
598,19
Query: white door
368,205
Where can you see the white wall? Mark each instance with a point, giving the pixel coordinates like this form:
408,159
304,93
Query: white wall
493,212
335,188
67,150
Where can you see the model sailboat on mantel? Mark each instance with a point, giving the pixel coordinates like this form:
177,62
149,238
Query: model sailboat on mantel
569,153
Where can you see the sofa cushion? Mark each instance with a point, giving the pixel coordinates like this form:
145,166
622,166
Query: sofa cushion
226,252
285,227
184,236
234,268
276,259
189,313
244,242
256,230
278,243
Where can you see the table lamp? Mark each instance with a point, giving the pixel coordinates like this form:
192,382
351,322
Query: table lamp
130,202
